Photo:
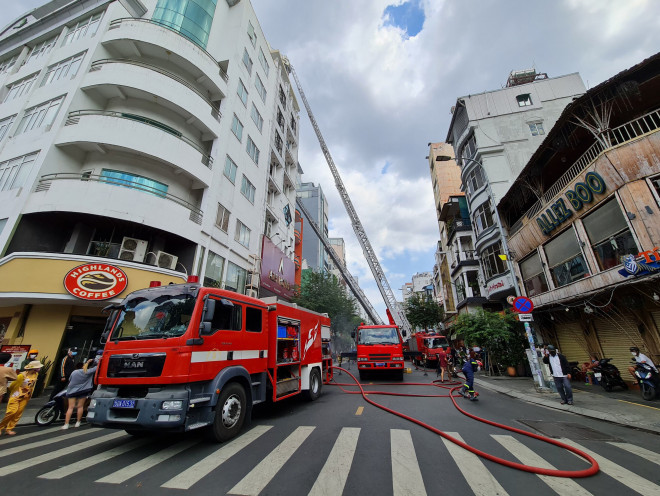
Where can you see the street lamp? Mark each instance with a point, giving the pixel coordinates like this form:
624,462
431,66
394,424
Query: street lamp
507,254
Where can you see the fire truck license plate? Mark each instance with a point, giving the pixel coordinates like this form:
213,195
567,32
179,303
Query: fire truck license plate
123,404
380,365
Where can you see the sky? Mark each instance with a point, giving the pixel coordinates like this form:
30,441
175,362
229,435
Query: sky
382,75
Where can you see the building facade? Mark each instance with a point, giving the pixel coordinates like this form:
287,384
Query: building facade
313,251
139,144
584,220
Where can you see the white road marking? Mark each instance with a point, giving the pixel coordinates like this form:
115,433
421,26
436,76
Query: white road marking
332,479
254,482
651,456
195,473
21,437
45,442
479,478
406,475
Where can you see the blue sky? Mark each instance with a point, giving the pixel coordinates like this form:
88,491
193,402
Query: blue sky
408,16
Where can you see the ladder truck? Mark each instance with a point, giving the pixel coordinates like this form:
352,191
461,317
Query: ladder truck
390,301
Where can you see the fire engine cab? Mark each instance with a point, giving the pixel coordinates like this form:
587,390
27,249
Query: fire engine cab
426,346
182,357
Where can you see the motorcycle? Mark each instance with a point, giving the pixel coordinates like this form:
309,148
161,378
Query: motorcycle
608,375
53,410
648,379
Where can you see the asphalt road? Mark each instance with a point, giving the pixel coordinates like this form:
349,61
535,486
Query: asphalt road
336,445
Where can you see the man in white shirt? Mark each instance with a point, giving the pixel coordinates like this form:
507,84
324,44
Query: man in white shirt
560,373
640,358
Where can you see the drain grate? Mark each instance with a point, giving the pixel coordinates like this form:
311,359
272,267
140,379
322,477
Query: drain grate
569,430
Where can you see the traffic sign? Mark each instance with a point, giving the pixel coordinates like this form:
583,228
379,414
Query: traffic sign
522,304
525,317
509,299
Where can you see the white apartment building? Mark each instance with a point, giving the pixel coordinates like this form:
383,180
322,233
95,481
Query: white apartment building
147,137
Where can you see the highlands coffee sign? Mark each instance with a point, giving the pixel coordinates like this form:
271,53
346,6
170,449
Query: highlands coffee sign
583,193
95,281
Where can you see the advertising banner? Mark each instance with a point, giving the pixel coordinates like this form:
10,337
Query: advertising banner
18,354
277,270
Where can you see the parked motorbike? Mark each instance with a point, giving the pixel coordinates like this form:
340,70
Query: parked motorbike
608,375
53,410
648,379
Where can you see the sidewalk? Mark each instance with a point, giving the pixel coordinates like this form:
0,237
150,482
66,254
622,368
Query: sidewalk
620,407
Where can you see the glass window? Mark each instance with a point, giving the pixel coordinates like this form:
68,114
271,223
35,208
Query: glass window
565,259
5,124
475,180
242,234
251,34
460,288
248,189
213,273
483,217
86,27
14,172
242,92
261,89
609,235
41,49
189,18
230,169
39,116
264,62
256,118
536,128
222,218
21,87
236,277
252,150
491,261
253,318
247,61
237,128
524,100
533,275
7,64
67,68
128,180
469,149
227,316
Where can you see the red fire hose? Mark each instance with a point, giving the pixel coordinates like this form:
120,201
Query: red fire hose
593,470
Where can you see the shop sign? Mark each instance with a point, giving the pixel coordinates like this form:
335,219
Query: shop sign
646,262
18,354
583,193
496,285
277,270
95,281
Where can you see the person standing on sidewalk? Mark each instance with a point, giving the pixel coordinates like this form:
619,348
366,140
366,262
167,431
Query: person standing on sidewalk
6,374
560,373
79,389
19,396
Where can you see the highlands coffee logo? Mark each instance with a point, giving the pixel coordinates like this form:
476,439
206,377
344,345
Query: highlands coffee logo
95,281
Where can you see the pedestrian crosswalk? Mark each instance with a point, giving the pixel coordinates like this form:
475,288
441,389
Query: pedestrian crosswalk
116,458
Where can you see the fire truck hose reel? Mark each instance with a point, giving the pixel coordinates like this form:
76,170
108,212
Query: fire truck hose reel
593,470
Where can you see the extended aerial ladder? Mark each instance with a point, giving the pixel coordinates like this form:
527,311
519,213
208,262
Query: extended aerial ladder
350,281
384,287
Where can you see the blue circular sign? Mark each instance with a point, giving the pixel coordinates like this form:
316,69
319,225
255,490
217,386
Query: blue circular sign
522,304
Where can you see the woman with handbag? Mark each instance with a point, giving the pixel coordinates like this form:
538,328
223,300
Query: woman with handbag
79,389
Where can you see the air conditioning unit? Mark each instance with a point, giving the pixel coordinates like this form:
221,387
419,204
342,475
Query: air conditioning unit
166,260
252,293
133,250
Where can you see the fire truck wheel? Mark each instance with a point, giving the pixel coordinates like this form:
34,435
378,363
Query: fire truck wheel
315,385
229,412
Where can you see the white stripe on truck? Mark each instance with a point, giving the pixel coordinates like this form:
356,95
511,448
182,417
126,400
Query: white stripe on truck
221,356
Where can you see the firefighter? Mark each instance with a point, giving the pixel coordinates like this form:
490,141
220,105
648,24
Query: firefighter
31,357
20,394
469,367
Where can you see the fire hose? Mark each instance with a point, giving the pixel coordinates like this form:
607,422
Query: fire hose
593,470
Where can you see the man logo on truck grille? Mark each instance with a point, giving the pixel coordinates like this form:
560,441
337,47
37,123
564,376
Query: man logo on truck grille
95,281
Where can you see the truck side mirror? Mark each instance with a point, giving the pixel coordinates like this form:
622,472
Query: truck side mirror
207,317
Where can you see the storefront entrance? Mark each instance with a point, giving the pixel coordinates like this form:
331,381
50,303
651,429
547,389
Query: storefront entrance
84,333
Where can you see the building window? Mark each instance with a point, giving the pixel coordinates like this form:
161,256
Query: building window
5,124
293,123
280,119
67,68
7,64
213,272
242,234
14,172
459,284
278,142
264,62
248,189
251,34
237,128
21,87
261,89
524,100
236,277
242,92
469,149
230,169
533,275
656,184
252,150
536,128
565,259
87,27
609,235
483,218
41,49
491,261
475,180
282,98
222,218
247,61
190,18
256,118
133,181
39,116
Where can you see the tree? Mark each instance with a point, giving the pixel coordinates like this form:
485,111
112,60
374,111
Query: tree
423,311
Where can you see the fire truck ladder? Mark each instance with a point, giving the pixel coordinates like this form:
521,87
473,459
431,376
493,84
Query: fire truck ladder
385,290
352,283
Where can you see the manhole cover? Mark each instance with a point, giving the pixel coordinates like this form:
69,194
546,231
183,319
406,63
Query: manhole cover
569,430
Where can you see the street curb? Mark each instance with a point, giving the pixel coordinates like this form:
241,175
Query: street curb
585,412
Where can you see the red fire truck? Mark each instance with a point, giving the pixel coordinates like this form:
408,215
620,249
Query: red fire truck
182,357
379,349
427,345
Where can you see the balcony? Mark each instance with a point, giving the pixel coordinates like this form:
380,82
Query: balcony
456,225
144,38
102,130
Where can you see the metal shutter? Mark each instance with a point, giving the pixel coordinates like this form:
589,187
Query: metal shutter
572,343
616,335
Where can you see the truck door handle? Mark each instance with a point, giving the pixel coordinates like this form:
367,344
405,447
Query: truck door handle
195,341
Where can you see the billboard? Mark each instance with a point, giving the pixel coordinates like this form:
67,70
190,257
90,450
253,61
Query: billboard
277,270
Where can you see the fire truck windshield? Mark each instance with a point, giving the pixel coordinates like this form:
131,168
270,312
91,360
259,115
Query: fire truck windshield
383,335
437,343
153,316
